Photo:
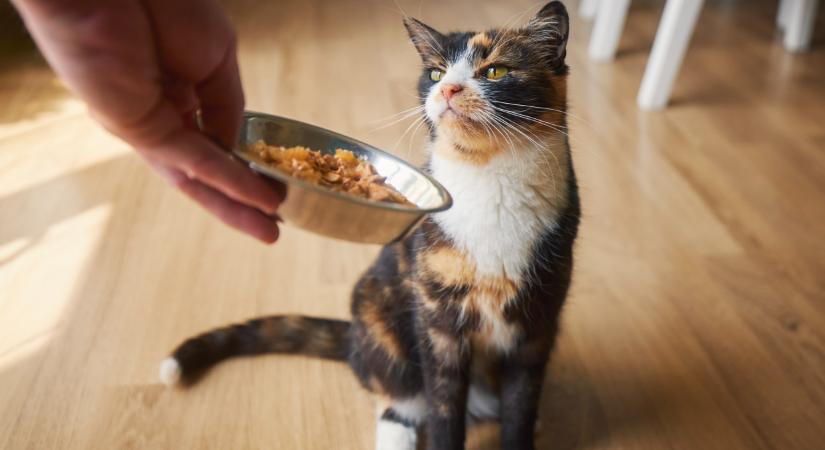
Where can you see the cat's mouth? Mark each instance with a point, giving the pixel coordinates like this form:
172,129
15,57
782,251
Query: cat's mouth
450,113
457,119
451,118
453,114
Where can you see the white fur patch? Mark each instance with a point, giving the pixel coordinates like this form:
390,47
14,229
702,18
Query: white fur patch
482,403
500,208
413,409
394,436
170,371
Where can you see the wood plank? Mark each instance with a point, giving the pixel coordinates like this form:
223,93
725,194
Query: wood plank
696,317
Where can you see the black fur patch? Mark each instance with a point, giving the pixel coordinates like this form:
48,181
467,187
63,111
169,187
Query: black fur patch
391,416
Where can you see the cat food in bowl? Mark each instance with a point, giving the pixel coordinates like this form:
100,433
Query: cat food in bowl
338,172
300,155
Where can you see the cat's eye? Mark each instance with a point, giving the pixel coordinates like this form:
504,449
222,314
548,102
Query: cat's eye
436,75
496,72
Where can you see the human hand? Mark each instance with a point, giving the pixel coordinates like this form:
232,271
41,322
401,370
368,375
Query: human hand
144,67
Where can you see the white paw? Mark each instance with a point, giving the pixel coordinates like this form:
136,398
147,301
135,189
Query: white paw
482,403
394,436
170,371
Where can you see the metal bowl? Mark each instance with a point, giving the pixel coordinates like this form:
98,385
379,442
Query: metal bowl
338,215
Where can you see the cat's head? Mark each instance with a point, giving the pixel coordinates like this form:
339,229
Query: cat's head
487,91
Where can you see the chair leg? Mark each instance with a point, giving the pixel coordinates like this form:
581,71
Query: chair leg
588,8
672,38
800,24
604,40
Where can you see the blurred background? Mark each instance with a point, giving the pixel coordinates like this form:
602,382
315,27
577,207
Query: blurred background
697,315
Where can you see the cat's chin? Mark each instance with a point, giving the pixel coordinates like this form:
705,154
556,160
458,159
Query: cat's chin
452,115
464,143
459,125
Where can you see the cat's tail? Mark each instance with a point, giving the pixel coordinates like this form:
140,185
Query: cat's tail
324,338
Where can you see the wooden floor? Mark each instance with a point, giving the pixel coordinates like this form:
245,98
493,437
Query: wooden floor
697,316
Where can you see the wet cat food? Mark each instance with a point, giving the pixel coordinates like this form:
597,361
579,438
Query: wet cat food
341,172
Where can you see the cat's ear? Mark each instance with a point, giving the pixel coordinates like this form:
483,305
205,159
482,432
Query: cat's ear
426,40
551,27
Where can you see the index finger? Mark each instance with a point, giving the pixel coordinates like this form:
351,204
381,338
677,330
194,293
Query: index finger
199,158
222,101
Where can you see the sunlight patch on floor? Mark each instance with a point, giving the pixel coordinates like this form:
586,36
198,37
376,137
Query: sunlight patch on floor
58,110
38,280
49,151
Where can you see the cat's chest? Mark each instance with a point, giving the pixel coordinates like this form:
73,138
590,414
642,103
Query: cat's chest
498,215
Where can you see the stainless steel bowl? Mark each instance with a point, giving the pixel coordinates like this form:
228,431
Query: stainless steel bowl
317,209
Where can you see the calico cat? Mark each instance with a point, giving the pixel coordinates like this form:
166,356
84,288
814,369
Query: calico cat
457,321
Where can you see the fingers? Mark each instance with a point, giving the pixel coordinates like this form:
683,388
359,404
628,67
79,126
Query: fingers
181,95
196,44
221,100
199,158
232,213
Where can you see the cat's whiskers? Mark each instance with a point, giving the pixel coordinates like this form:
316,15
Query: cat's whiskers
531,118
543,108
553,126
509,24
431,39
510,34
511,140
432,42
394,119
412,135
510,29
399,113
506,141
429,44
407,130
535,140
510,137
563,130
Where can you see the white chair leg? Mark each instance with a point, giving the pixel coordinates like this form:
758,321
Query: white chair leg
800,24
782,14
672,38
610,17
587,9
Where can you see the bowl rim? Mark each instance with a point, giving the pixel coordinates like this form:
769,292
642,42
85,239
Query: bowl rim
447,199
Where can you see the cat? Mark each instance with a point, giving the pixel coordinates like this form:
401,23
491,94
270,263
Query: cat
456,322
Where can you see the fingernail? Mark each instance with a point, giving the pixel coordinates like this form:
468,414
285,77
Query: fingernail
272,238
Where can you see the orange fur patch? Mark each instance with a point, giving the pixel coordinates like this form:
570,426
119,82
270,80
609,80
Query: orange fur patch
499,53
448,266
379,330
487,300
445,347
445,146
481,39
451,267
377,388
499,289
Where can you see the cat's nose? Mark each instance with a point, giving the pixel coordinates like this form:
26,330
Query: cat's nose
448,90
